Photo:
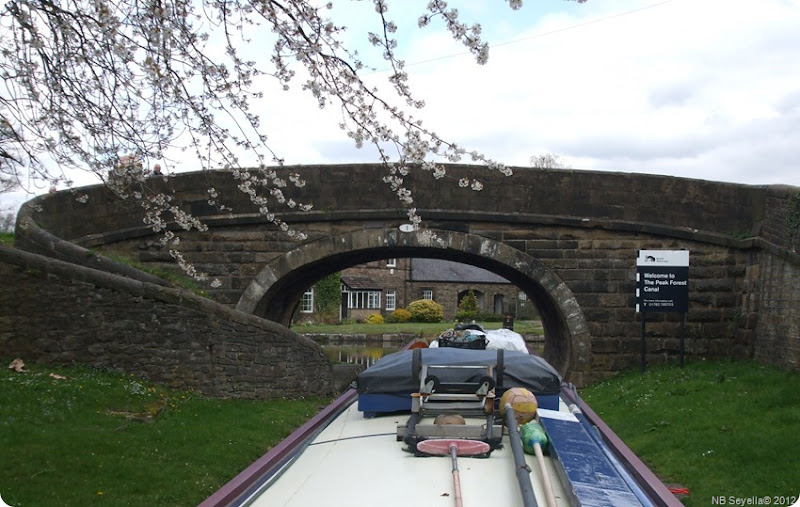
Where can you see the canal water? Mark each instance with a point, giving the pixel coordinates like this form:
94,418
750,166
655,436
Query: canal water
363,350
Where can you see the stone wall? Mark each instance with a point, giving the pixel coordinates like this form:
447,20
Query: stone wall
240,242
583,227
676,202
780,226
599,267
446,294
771,310
54,312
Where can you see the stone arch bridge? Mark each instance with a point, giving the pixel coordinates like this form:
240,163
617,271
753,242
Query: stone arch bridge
567,238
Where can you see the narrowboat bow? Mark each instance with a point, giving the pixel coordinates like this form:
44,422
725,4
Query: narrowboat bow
425,427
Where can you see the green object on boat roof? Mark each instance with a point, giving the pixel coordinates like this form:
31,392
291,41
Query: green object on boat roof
532,433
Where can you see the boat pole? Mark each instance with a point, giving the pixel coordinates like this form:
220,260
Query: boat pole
456,477
535,436
521,467
454,448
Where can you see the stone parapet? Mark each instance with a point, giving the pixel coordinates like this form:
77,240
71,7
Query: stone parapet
55,312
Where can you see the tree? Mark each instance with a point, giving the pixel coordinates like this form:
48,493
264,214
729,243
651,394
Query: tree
95,85
328,292
8,176
8,159
547,161
468,307
6,222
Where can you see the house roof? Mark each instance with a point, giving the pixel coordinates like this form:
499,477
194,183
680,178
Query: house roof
360,282
438,270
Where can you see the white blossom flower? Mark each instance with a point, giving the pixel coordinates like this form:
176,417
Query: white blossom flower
169,81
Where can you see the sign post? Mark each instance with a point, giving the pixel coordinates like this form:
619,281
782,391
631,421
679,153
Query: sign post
662,285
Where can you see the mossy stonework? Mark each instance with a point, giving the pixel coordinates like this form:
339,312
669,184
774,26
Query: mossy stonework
567,238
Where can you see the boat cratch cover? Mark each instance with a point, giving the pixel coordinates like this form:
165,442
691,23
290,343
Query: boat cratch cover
393,373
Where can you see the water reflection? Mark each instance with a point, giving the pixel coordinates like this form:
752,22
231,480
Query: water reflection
366,356
360,350
366,352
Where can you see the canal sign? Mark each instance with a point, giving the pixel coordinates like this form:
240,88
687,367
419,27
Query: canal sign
662,285
662,281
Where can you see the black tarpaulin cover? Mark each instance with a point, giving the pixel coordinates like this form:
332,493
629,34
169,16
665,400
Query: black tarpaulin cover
393,373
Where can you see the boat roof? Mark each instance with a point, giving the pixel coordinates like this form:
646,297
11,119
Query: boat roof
347,457
342,458
358,461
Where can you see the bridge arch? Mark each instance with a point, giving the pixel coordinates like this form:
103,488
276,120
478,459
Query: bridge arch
275,290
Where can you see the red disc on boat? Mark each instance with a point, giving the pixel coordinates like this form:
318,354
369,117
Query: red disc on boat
443,445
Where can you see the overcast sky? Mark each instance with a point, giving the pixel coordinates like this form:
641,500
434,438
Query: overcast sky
706,89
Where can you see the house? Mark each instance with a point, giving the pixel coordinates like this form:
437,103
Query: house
388,284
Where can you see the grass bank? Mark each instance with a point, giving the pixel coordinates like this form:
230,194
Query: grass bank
168,272
721,429
94,437
424,330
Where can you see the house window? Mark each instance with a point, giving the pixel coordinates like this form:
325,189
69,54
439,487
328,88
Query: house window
307,303
374,299
391,300
427,294
391,263
364,299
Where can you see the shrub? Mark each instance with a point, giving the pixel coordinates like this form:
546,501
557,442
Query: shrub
468,307
426,310
399,315
375,318
328,297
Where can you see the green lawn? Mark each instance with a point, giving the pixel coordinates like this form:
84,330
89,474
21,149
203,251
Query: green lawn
724,428
103,438
424,330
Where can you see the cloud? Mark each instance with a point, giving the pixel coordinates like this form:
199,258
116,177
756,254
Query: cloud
678,87
696,89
